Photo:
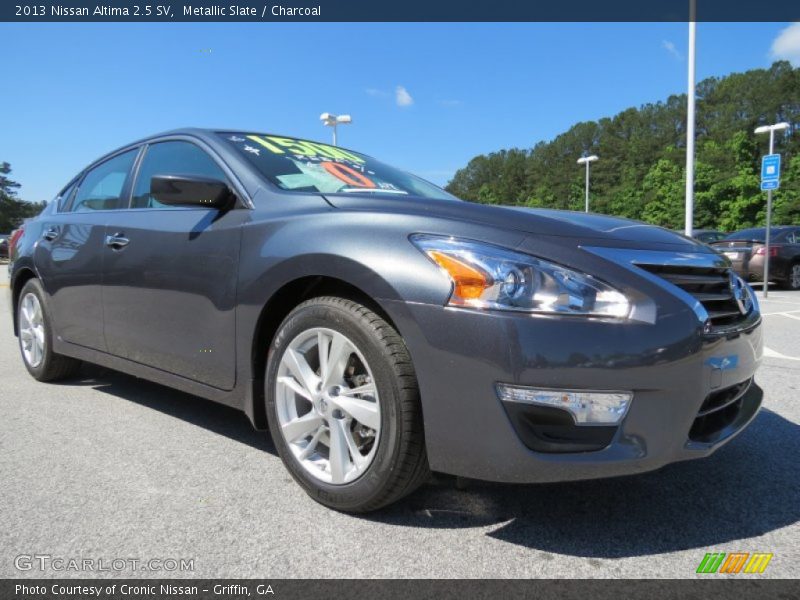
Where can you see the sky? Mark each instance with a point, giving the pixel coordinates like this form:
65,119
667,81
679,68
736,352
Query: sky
425,97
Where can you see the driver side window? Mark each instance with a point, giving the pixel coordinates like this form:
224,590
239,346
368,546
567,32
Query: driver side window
171,158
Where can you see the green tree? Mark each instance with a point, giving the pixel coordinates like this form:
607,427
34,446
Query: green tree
12,209
642,153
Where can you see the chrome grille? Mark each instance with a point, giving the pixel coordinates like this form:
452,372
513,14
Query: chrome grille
708,285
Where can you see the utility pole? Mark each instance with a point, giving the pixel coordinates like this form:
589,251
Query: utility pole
690,120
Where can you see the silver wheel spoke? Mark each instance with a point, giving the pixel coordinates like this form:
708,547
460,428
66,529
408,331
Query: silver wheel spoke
312,444
359,460
363,411
297,388
338,455
23,313
323,348
301,370
340,351
301,426
368,389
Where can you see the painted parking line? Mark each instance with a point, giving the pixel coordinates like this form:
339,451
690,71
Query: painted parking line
791,316
770,353
771,301
780,312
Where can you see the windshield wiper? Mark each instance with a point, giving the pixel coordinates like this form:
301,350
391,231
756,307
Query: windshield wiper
370,190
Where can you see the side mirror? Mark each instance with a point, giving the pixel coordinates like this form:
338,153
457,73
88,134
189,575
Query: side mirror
191,190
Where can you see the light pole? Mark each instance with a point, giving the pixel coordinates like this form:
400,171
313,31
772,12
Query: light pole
587,160
690,119
330,120
771,129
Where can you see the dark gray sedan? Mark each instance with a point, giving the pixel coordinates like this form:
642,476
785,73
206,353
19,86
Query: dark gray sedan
382,328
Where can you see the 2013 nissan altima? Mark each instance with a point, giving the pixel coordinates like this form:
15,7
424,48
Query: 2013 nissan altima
382,328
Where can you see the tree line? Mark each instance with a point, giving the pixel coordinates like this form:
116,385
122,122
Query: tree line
641,171
14,210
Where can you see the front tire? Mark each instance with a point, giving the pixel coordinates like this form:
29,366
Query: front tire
36,337
343,406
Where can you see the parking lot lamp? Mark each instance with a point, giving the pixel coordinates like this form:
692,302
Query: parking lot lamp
330,120
586,160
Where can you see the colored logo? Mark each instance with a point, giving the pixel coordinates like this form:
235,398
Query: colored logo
734,562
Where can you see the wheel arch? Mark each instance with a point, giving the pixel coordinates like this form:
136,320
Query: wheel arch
21,277
275,310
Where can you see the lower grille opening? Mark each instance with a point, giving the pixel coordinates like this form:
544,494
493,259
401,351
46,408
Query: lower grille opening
719,410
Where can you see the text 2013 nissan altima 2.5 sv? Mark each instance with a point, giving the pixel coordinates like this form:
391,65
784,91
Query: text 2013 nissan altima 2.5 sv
382,328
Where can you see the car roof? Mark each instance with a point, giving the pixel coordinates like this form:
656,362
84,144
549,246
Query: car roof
207,134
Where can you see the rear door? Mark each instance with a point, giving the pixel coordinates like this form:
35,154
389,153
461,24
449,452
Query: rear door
169,289
69,256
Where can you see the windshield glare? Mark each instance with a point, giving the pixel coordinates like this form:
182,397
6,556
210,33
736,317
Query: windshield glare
304,166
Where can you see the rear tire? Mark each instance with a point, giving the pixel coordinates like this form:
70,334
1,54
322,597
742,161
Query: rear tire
385,456
793,280
36,337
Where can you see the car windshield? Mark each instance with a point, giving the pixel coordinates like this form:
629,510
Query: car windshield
750,235
305,166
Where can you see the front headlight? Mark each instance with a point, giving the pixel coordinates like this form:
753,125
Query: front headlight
490,277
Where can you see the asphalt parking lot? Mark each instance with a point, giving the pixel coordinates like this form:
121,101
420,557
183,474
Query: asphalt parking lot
108,466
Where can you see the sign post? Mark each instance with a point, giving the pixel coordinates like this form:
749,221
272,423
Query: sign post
770,180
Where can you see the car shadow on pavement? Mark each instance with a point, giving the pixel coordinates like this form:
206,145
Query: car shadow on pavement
746,489
215,417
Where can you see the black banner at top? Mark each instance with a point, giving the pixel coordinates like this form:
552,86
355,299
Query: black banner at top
398,10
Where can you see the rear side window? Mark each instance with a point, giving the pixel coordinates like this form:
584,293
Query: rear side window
102,187
171,158
66,195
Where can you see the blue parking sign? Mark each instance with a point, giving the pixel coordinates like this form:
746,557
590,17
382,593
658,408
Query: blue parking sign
771,172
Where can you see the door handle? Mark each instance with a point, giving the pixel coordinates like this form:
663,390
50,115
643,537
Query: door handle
116,241
50,234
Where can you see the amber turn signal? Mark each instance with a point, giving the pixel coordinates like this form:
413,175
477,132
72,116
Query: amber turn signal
469,281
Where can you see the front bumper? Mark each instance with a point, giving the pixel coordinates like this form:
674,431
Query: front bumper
671,367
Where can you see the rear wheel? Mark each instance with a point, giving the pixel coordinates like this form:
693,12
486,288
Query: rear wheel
36,337
793,281
343,406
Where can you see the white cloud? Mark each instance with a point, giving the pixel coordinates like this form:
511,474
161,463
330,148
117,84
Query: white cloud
376,92
787,45
670,47
402,97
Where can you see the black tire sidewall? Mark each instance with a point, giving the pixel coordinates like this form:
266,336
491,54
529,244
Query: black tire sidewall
370,485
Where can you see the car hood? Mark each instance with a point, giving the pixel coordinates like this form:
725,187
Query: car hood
588,229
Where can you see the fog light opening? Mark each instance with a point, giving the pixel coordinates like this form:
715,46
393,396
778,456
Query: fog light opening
586,407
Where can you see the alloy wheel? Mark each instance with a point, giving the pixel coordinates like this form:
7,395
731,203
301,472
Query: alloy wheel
794,280
328,405
31,330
